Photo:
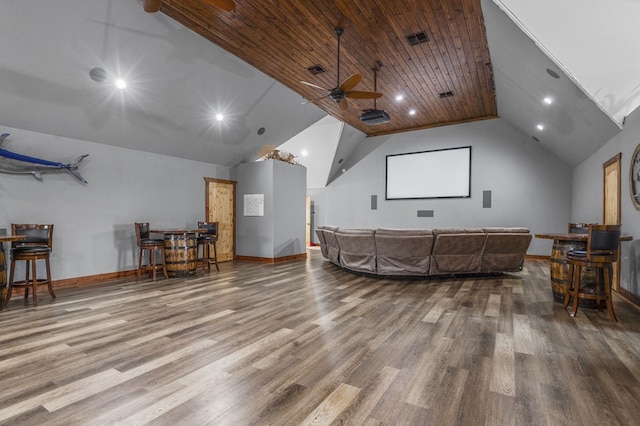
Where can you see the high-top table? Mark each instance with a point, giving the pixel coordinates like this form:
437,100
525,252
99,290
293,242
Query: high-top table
3,266
562,244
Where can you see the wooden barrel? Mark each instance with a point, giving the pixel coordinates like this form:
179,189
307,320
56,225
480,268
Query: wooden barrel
180,253
560,271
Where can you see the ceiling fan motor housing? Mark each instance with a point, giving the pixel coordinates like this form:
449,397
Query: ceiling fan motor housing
337,94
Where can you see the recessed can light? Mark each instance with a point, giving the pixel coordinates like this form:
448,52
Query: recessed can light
412,112
219,117
552,73
399,98
548,100
121,84
98,74
540,127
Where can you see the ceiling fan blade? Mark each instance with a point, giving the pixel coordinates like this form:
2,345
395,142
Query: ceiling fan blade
313,85
228,5
151,6
357,94
351,82
343,105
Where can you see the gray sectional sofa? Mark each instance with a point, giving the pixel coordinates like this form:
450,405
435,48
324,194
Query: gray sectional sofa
420,252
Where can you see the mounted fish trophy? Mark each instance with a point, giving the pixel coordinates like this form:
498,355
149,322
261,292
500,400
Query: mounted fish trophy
14,163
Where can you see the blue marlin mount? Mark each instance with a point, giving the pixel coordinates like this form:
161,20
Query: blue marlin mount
14,163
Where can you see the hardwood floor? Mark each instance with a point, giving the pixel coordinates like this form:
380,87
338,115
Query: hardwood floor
306,343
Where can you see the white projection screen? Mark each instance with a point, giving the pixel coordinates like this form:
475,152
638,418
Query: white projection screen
441,173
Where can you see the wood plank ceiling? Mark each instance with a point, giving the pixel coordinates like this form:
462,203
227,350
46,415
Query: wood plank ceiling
284,38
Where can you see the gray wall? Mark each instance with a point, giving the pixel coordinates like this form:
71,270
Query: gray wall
281,231
587,197
94,232
529,186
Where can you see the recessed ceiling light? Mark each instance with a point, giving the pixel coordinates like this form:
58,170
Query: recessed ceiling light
548,100
412,112
540,127
121,84
552,73
219,117
304,153
399,98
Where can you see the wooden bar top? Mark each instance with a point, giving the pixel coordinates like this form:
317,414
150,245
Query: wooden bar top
573,237
7,238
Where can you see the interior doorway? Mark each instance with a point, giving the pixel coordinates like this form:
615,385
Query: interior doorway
308,223
220,206
611,198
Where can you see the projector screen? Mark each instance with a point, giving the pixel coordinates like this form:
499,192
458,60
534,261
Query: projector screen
442,173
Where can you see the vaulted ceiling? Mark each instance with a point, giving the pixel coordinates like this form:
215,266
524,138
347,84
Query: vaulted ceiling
191,61
433,53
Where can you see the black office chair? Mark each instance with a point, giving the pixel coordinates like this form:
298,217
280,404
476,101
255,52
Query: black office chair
207,237
601,254
37,245
152,245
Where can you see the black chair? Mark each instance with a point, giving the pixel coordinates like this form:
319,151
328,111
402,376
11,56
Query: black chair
152,245
601,254
37,245
207,237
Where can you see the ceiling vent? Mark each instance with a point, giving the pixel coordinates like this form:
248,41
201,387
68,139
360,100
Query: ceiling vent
446,94
316,69
417,38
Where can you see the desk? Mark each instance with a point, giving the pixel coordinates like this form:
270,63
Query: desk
3,266
180,250
563,243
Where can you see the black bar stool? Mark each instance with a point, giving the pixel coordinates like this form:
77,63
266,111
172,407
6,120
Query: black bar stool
37,245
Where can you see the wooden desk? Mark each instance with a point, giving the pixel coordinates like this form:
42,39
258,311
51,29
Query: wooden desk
180,250
562,244
3,266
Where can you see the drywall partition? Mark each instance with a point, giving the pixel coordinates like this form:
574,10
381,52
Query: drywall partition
588,191
270,210
94,232
529,186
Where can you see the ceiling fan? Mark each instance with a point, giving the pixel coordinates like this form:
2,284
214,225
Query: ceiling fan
341,92
152,6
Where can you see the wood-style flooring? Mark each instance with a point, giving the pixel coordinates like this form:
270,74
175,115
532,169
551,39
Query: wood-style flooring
304,342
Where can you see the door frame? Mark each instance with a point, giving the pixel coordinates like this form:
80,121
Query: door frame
233,183
615,161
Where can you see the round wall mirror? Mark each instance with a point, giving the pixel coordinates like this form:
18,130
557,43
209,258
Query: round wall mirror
634,177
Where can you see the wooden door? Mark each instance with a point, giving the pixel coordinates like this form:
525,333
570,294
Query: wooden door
611,214
221,207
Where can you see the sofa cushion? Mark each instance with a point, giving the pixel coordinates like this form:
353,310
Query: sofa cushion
496,230
457,252
403,251
505,252
357,249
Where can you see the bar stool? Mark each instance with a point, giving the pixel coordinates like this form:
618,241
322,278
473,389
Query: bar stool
37,245
152,245
601,254
207,237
